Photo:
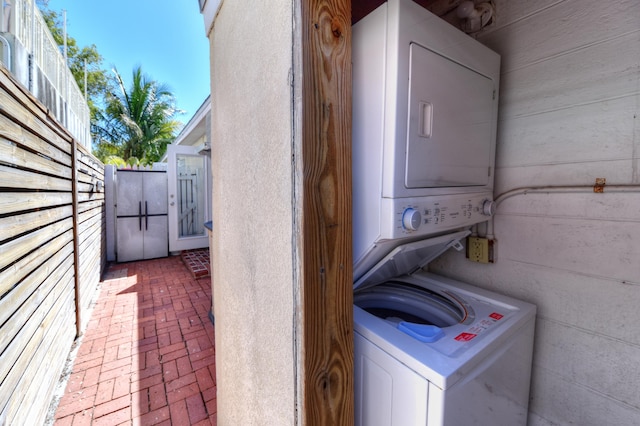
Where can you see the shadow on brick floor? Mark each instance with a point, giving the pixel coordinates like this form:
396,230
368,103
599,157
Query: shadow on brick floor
147,356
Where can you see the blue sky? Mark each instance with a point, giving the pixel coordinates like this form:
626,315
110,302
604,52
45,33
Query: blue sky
167,38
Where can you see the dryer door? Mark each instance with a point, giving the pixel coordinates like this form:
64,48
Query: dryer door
449,137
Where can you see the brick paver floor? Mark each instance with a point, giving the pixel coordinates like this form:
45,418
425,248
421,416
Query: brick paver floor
147,354
197,261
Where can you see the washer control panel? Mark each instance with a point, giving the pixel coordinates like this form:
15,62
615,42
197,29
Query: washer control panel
434,214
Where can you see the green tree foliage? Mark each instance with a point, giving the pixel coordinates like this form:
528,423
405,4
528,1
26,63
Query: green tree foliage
135,122
140,118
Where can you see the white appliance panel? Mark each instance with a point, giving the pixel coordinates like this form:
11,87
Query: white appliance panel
404,259
450,122
451,62
367,130
390,394
437,214
496,391
478,371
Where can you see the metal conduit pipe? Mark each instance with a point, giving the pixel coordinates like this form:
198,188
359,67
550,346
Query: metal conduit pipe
598,188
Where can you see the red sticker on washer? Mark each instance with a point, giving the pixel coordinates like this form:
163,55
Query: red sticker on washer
465,337
496,316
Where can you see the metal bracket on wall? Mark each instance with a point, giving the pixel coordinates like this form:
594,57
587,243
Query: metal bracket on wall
599,185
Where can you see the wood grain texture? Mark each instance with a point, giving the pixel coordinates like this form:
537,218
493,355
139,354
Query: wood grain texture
13,131
21,246
13,202
326,239
52,239
17,271
32,283
17,224
568,114
12,177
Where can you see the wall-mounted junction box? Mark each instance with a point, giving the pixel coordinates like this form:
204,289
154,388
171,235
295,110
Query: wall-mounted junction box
480,250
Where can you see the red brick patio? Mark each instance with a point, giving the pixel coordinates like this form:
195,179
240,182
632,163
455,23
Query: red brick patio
147,355
197,261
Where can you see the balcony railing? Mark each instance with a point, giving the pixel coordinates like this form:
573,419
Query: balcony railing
33,56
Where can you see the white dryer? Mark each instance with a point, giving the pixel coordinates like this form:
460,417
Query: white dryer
433,351
425,106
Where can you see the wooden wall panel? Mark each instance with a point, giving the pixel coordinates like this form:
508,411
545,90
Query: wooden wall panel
556,28
542,86
11,153
568,114
24,179
26,401
29,140
550,138
12,202
52,237
21,223
19,352
15,249
34,282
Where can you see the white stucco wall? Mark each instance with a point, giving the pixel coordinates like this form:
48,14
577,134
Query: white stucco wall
251,54
568,114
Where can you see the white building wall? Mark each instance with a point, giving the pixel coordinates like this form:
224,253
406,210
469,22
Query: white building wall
252,243
570,96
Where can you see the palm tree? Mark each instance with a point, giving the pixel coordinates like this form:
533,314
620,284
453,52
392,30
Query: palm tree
139,121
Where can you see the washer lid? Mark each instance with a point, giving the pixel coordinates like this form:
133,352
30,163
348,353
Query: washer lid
408,258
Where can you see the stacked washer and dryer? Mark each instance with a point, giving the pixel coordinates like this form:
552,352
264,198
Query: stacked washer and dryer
428,350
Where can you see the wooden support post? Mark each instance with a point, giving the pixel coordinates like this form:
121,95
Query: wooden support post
326,229
76,239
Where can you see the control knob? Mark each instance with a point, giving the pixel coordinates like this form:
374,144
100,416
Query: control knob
488,208
411,219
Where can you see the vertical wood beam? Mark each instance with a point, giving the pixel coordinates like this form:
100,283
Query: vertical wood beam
327,275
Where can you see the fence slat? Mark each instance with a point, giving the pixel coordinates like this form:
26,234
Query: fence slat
10,153
17,271
23,179
12,131
14,202
15,249
28,285
19,224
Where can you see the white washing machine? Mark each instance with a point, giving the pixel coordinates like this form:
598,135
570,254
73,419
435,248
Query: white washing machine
433,351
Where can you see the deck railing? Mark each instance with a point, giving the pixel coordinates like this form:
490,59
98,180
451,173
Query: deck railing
29,33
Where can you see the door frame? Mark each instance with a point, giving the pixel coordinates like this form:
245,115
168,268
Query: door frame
177,244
